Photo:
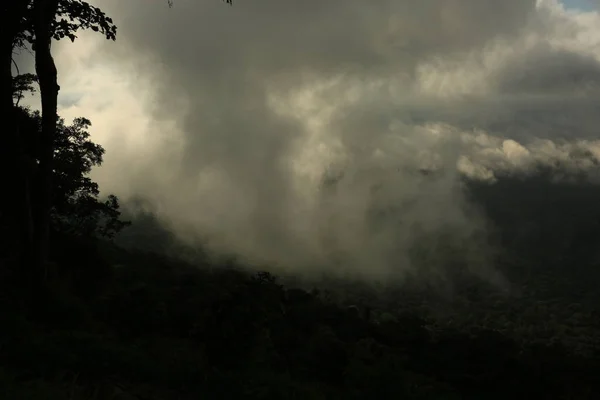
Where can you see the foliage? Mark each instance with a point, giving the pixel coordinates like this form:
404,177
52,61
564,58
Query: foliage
170,2
163,329
23,83
76,207
71,16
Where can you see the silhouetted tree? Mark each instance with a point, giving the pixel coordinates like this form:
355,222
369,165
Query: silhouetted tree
37,22
15,219
75,207
46,26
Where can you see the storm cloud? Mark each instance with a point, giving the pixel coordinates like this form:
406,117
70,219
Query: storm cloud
335,135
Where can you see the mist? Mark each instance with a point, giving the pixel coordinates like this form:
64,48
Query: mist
335,137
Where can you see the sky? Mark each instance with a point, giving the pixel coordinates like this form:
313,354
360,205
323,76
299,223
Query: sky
582,5
231,120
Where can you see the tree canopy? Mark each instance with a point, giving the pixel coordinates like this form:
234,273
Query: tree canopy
71,16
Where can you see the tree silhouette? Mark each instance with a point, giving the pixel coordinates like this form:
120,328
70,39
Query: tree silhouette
75,207
15,218
45,28
37,22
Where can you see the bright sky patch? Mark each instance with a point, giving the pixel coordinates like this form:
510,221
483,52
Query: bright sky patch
582,5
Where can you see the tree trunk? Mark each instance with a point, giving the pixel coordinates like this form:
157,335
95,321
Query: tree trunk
15,224
44,14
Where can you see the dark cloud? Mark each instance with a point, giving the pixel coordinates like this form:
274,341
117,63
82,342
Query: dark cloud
549,72
281,35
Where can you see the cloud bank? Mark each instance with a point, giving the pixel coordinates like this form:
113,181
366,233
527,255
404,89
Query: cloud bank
335,135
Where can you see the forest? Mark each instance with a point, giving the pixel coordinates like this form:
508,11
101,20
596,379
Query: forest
102,301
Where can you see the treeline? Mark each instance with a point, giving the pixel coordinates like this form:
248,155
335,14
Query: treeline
144,326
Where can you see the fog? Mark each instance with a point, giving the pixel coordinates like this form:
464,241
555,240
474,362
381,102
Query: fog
335,136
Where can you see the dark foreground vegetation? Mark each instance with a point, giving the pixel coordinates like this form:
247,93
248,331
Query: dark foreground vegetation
127,324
